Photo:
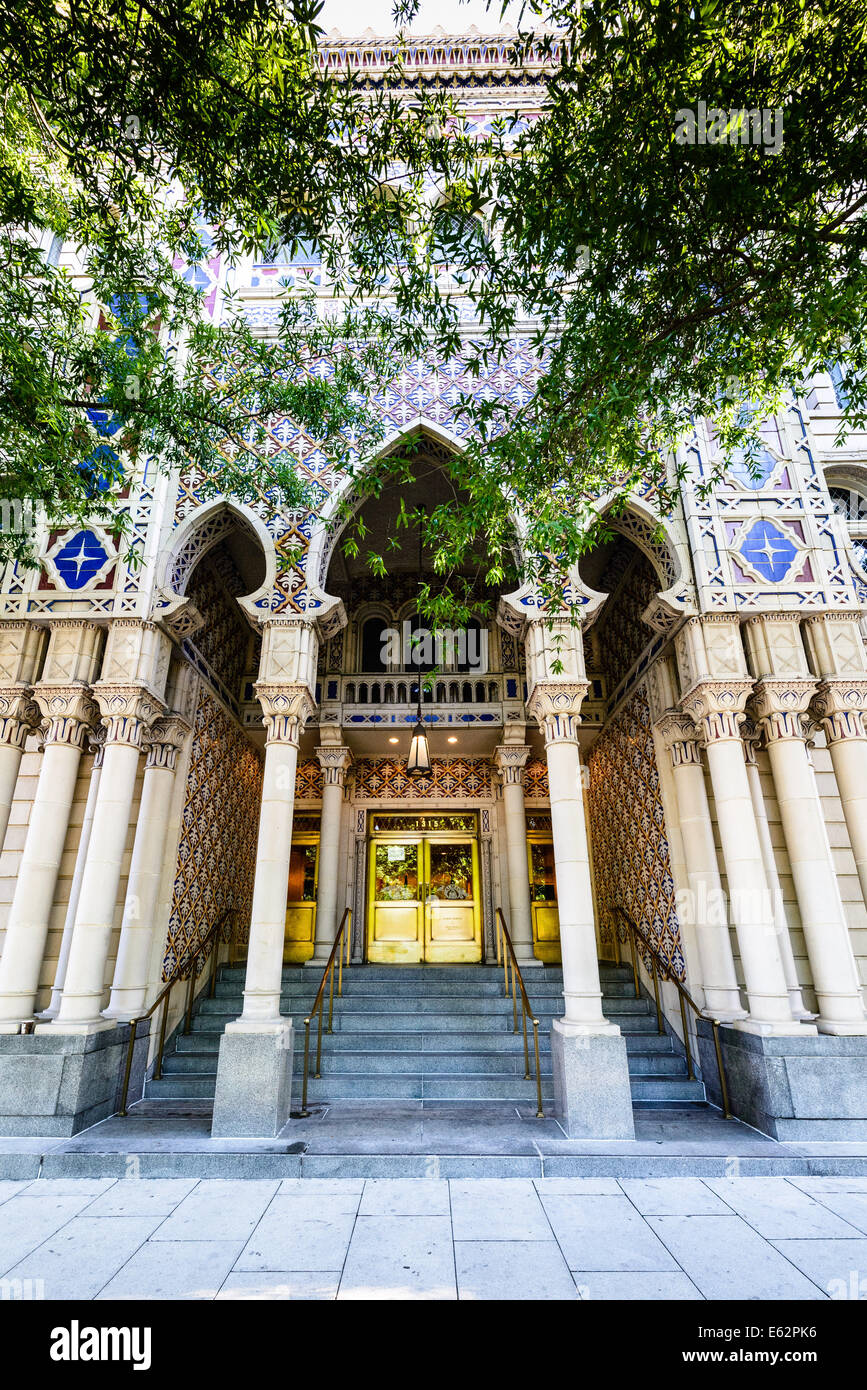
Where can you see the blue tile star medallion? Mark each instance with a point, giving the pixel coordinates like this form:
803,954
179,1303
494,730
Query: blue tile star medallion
768,551
80,559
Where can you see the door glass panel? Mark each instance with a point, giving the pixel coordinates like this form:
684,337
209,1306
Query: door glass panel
451,873
544,882
396,873
302,874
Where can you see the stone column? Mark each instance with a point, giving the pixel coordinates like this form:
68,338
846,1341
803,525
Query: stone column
68,714
841,708
129,986
719,981
254,1072
752,738
19,717
97,744
20,648
717,709
126,712
591,1077
334,761
779,709
510,760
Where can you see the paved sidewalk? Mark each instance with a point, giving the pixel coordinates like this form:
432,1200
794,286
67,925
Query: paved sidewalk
556,1238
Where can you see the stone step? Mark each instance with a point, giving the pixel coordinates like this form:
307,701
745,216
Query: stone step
414,1087
400,989
665,1089
386,1063
397,1021
347,1040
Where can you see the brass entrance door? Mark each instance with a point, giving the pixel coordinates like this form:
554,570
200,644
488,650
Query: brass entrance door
543,899
424,898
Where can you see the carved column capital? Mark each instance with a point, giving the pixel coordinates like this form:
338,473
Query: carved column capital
164,740
717,707
335,762
286,709
779,706
510,759
127,711
69,714
557,707
19,715
680,736
840,706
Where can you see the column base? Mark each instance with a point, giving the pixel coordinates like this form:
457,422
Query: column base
592,1095
54,1083
254,1080
854,1029
73,1030
774,1028
797,1089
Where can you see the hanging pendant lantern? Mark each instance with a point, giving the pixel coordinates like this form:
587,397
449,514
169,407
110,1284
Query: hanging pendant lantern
418,763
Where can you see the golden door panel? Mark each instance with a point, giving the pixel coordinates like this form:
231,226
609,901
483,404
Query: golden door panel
423,899
452,915
395,917
299,938
543,900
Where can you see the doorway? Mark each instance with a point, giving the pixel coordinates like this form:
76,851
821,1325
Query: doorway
424,893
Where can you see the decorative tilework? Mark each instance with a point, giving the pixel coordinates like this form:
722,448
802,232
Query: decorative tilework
536,780
631,858
217,850
309,780
456,778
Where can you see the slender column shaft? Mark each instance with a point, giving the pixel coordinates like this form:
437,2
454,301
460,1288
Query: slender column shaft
841,1008
719,981
129,986
751,909
27,926
334,762
84,986
511,760
582,990
271,887
75,888
17,720
849,760
790,969
10,763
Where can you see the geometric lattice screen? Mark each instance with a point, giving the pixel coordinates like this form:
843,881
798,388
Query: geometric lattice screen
217,850
631,859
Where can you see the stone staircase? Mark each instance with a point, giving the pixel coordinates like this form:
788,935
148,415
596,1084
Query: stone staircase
429,1033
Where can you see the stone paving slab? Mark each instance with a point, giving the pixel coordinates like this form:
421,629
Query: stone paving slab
534,1239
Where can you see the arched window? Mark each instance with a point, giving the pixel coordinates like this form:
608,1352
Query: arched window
851,504
457,238
372,645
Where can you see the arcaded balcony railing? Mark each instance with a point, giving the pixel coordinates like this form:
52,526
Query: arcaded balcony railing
443,690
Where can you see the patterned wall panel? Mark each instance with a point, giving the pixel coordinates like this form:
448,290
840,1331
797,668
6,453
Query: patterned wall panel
456,778
630,847
309,780
217,850
536,780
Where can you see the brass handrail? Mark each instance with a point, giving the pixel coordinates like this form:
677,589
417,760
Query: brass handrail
660,966
334,959
188,963
509,961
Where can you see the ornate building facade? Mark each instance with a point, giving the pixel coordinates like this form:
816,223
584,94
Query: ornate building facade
191,729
